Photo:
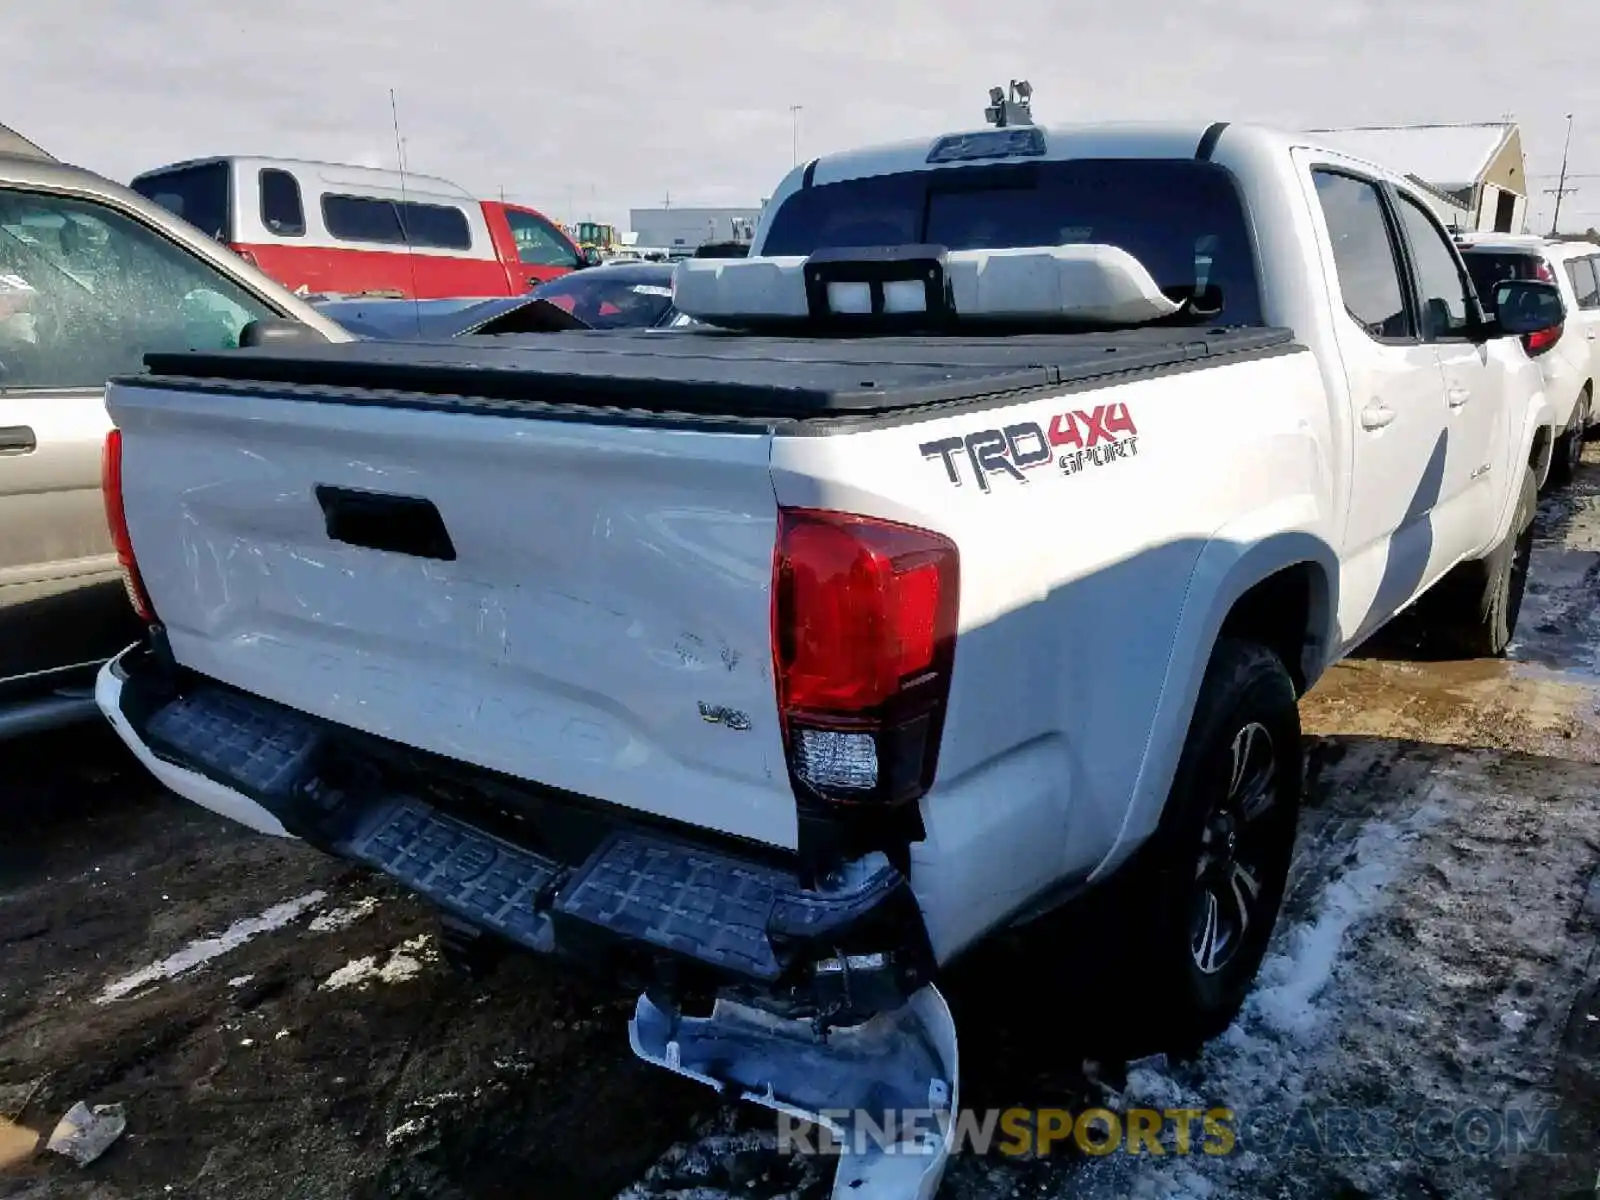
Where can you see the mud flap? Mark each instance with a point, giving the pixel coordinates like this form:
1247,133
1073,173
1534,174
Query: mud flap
886,1090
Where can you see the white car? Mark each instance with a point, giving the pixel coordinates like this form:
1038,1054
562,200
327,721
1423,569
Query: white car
1571,364
975,560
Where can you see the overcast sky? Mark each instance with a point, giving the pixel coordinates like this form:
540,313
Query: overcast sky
587,107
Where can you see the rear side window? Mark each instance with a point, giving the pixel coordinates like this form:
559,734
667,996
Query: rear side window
436,225
1364,254
1181,218
1490,268
197,194
1581,272
281,209
365,219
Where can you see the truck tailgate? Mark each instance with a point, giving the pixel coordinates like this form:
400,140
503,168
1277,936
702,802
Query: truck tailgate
583,605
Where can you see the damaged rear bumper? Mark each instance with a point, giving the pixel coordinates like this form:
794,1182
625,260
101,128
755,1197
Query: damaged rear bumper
820,999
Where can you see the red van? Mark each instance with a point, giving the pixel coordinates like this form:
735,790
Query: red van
340,230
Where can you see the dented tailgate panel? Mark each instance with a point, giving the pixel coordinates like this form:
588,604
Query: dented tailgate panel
584,606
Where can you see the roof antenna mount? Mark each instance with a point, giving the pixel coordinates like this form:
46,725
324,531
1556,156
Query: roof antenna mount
1010,108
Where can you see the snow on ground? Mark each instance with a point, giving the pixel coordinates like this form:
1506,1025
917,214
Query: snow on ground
404,963
1436,934
203,950
342,918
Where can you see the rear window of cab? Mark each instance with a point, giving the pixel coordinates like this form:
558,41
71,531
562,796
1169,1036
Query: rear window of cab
1182,218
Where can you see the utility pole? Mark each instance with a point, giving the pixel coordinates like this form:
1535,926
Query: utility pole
794,122
1561,189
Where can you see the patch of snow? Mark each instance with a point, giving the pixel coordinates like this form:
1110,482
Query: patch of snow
340,918
202,951
1515,1020
1269,1059
239,981
404,1130
405,963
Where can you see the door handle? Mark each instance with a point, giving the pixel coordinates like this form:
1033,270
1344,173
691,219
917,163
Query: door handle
1376,415
1458,396
17,439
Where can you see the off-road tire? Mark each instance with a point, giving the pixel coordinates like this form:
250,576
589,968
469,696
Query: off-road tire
1569,446
1162,1000
1472,612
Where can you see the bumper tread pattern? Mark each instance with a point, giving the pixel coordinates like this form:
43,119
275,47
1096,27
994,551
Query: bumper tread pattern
681,899
265,748
461,869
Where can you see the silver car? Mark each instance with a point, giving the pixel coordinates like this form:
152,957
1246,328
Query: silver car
92,277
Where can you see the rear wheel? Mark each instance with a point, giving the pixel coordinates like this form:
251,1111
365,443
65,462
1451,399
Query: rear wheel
1569,446
1202,897
1472,612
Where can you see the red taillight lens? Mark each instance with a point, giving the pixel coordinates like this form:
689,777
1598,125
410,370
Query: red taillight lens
864,630
1543,270
1541,340
117,522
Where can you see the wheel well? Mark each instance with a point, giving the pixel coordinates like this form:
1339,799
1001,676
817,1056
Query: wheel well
1286,613
1539,456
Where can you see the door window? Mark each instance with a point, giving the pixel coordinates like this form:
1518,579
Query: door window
1443,288
539,244
86,292
1364,255
1584,283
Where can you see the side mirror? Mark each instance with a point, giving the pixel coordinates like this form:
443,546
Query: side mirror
1532,310
591,257
277,331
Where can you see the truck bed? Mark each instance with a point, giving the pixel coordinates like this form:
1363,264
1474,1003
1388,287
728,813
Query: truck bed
702,373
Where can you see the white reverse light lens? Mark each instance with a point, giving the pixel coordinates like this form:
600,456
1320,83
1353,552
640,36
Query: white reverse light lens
837,760
849,298
904,296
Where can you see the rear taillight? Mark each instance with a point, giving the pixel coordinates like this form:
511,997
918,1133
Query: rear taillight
1542,270
864,631
117,522
1541,340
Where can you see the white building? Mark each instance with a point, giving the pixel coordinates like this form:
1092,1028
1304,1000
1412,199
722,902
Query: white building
1475,174
683,229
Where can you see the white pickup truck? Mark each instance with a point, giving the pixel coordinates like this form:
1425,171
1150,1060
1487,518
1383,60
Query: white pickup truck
974,556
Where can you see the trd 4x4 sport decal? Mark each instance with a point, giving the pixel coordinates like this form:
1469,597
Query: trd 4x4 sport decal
1075,441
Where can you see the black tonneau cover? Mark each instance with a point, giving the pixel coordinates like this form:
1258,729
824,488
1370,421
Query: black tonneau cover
714,372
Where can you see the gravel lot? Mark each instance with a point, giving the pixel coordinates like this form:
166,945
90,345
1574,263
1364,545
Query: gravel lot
278,1024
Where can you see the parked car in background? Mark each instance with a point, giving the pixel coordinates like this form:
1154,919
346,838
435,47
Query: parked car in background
332,228
92,277
619,295
1569,357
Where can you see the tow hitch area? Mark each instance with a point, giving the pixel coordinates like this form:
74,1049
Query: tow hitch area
886,1090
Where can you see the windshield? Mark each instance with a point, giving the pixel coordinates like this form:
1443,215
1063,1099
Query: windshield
1490,268
604,299
1181,218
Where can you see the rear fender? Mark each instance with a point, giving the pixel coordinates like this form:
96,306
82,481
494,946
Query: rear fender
1233,561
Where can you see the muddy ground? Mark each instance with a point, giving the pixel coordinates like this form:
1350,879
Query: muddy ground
1437,954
